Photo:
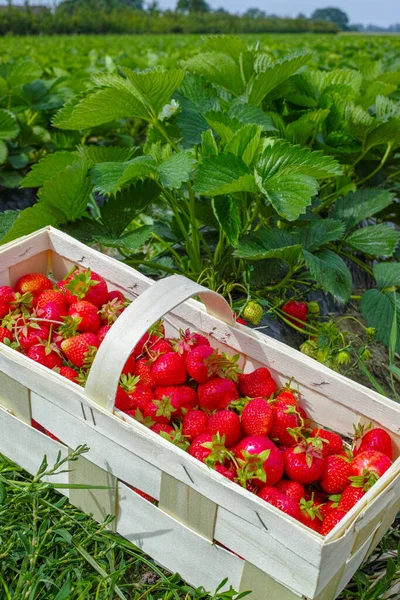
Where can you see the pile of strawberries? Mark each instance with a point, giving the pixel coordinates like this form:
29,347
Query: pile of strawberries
183,389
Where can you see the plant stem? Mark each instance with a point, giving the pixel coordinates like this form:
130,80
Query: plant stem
379,167
152,265
357,261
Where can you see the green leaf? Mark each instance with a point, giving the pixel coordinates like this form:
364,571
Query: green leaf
384,133
3,152
249,115
301,130
111,177
227,215
270,243
98,107
294,159
176,169
118,212
85,230
219,68
208,144
378,309
155,87
10,179
31,219
330,273
131,241
274,75
21,72
228,44
222,124
223,174
360,205
47,168
358,121
99,154
314,234
290,194
378,240
387,274
245,143
7,219
9,127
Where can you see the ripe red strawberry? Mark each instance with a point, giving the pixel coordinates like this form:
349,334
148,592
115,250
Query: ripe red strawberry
257,417
335,476
197,365
182,397
85,314
53,296
5,334
227,424
240,320
303,464
7,297
216,394
69,373
326,508
148,339
160,346
187,341
80,349
157,412
86,285
194,423
281,501
37,426
51,312
111,310
169,369
31,334
143,370
129,366
102,332
285,399
256,384
286,427
229,472
311,514
138,395
375,439
44,355
51,435
334,517
122,400
350,496
163,428
144,495
296,312
368,466
260,461
116,295
34,283
293,489
328,441
209,449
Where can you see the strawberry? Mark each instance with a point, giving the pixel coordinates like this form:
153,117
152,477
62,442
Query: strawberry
7,297
143,370
86,285
169,369
187,341
368,466
227,424
31,334
102,332
296,312
144,495
53,296
44,355
281,501
110,311
256,384
5,334
293,489
311,514
117,295
148,339
253,312
37,426
326,508
303,463
138,395
334,517
129,366
69,373
51,435
182,397
34,283
257,417
376,439
51,312
85,315
229,472
285,398
286,425
239,320
216,394
350,496
335,476
160,346
122,400
209,449
157,411
327,441
259,461
204,362
80,349
163,428
194,423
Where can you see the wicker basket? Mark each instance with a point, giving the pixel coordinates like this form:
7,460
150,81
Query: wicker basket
282,559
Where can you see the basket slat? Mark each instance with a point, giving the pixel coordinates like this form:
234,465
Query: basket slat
15,397
262,586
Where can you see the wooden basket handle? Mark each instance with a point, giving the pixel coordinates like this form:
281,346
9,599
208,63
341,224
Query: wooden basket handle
160,298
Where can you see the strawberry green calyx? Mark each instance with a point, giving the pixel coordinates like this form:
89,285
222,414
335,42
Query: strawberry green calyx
223,365
138,415
251,466
176,437
164,407
89,356
311,509
69,328
129,383
365,481
219,453
81,283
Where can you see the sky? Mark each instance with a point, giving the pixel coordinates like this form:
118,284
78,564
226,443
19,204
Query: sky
378,12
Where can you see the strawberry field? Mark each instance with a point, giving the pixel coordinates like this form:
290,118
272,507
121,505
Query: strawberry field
266,169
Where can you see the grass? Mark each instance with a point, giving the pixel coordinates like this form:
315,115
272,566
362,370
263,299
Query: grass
50,550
